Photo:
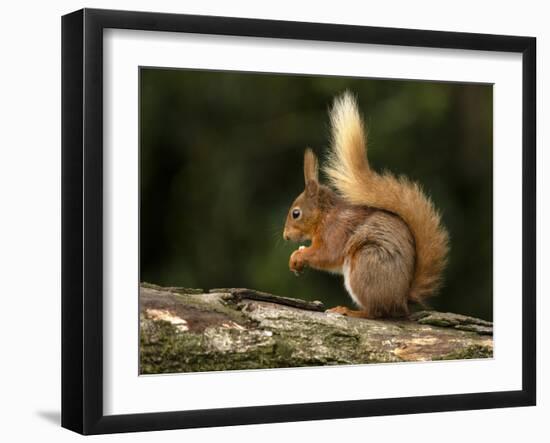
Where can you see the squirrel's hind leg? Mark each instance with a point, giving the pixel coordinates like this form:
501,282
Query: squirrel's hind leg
377,282
343,310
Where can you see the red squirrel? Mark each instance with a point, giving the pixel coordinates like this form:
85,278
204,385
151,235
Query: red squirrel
381,232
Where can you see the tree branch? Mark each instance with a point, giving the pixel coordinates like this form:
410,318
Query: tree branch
186,329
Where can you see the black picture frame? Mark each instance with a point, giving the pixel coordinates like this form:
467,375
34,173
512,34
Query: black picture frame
82,220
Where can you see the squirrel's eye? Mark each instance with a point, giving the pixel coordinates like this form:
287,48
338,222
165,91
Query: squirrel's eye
296,213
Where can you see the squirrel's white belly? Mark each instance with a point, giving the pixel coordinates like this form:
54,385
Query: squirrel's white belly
346,270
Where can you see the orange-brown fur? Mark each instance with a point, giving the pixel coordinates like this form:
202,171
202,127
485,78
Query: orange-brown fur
381,232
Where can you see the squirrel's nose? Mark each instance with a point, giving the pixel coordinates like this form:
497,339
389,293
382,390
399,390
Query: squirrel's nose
285,236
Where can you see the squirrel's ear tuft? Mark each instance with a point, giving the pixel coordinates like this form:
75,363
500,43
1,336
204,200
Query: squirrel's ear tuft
311,167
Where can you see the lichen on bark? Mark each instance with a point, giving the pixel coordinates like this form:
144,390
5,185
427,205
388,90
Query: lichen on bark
189,330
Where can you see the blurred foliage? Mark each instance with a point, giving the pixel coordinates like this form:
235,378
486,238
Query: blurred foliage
221,161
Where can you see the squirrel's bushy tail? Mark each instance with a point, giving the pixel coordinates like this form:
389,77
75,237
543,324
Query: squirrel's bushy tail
349,172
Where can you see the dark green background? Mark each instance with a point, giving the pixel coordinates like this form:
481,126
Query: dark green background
221,161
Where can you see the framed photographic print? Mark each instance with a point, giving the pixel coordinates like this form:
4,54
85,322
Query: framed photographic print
269,221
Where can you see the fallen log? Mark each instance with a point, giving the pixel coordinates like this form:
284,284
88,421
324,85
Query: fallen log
190,330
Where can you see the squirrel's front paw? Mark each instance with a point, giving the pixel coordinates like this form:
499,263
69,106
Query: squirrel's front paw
296,263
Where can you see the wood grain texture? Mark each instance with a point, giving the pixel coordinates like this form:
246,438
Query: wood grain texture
183,330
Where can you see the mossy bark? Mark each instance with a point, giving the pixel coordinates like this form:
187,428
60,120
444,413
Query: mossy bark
189,330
